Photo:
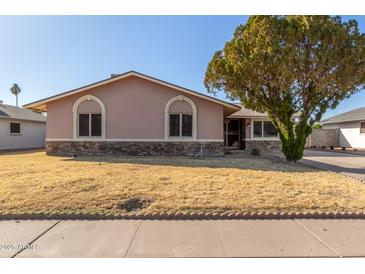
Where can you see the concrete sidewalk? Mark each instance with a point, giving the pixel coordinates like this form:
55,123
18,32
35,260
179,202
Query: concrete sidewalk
231,238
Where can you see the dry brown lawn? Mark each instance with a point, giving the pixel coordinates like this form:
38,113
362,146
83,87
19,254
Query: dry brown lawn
33,183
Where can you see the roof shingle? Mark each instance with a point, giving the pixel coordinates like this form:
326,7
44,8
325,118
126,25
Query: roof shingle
353,115
8,111
244,112
248,113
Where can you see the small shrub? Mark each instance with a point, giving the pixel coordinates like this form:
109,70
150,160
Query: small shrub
331,147
323,147
255,152
316,126
343,148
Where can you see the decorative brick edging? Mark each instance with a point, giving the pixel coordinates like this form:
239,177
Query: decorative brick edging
346,176
322,169
193,216
334,172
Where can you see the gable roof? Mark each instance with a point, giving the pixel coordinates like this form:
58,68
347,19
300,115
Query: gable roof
245,112
13,112
350,116
41,105
248,113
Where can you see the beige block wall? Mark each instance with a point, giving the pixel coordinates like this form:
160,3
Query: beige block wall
323,137
349,134
32,135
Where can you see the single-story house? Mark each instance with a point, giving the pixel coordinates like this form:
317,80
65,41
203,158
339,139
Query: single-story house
21,128
135,114
351,127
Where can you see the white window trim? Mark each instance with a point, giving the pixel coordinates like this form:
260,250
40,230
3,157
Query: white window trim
262,131
76,118
167,118
20,129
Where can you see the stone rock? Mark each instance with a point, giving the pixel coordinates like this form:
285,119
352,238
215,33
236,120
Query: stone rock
263,145
116,148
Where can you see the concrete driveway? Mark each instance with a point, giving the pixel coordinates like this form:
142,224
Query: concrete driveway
345,163
231,238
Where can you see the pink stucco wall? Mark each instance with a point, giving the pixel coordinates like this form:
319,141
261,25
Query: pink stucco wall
135,109
180,107
89,106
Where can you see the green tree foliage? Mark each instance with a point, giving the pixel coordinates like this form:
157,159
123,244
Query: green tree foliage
15,89
290,64
316,126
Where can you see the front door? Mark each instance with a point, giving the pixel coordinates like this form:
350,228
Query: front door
234,133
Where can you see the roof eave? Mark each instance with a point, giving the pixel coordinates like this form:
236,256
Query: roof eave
340,122
41,105
22,119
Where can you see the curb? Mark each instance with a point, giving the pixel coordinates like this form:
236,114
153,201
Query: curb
360,153
191,216
334,172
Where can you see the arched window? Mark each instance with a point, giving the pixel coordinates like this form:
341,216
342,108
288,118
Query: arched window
180,118
88,117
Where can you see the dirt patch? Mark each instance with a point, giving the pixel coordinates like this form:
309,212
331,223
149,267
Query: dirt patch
134,204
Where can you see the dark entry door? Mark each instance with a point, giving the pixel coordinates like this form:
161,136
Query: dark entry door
243,134
234,135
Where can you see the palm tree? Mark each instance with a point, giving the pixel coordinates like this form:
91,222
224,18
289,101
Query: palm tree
15,89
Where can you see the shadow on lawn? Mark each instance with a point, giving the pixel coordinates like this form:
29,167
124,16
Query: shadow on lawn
21,151
245,162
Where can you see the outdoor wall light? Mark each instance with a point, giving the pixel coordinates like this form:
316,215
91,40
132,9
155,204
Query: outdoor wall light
248,124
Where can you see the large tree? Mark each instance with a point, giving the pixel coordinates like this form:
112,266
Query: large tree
15,89
284,65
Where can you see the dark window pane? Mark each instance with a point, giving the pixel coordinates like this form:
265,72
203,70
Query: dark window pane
269,130
233,126
83,124
187,125
174,125
95,124
362,127
257,129
14,127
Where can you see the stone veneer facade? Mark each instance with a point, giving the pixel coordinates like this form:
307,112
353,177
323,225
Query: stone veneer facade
116,148
263,145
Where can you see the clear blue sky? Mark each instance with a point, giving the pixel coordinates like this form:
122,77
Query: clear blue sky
47,55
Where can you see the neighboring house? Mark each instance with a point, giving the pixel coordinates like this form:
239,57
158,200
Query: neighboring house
135,114
351,127
21,128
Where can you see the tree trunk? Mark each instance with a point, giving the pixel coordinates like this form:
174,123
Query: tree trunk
293,141
293,149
